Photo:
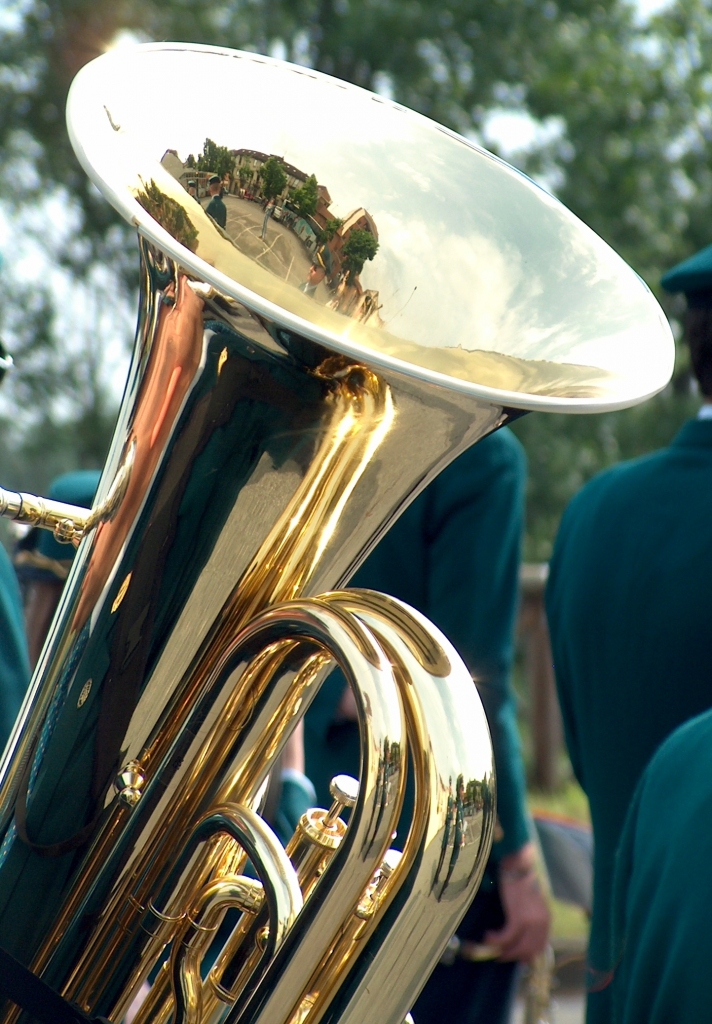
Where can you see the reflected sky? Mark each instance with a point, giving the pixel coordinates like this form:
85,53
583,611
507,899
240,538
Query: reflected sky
478,274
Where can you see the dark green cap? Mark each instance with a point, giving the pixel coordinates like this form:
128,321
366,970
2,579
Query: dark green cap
76,488
693,277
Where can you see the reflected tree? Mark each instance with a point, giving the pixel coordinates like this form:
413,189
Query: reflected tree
305,198
216,160
273,178
359,247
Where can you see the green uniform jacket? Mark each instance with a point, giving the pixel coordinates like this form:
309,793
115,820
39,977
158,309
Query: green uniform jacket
628,601
14,662
217,210
453,555
662,897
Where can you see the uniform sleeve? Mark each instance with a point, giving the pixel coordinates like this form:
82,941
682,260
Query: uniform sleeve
14,661
475,522
555,614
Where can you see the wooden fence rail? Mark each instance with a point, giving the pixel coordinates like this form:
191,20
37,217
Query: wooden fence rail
533,637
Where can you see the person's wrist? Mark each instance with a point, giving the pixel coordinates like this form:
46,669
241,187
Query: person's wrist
516,874
518,865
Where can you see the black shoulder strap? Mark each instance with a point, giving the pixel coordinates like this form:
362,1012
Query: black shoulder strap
36,997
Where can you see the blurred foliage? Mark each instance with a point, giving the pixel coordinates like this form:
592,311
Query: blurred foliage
67,412
625,127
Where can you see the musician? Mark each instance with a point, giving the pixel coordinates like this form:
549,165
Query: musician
454,555
14,663
628,602
216,207
662,893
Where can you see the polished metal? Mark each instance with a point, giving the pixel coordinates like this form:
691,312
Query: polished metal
130,781
69,523
298,377
480,279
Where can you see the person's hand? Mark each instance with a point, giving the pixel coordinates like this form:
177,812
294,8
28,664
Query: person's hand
526,913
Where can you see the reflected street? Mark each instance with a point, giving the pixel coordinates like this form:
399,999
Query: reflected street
282,252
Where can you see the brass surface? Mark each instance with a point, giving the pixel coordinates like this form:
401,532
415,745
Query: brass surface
477,274
273,427
279,891
450,835
68,523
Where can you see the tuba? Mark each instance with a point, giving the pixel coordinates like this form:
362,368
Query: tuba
303,367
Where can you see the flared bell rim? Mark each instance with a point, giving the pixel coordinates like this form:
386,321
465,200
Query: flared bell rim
127,205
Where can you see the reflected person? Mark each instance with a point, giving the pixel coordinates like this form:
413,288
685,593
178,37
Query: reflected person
216,207
269,211
316,275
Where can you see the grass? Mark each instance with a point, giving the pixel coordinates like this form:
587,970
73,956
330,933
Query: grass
570,801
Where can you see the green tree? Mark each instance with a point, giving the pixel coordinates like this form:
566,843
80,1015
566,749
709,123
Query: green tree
273,178
306,197
245,173
169,214
58,412
359,247
330,228
216,159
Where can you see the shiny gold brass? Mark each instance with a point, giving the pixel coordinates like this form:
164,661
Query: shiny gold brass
280,890
284,404
130,781
68,523
320,832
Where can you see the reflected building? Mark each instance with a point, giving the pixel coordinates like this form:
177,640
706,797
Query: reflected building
323,235
252,160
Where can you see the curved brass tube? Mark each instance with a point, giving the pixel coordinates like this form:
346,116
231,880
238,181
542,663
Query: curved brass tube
279,892
230,763
451,833
445,851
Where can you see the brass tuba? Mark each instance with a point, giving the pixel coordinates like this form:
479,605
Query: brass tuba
303,367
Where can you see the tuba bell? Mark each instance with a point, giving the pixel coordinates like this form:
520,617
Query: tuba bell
303,367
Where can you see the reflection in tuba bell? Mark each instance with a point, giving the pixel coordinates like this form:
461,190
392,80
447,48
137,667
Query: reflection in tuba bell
303,367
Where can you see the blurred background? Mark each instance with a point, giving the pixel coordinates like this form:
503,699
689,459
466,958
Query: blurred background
605,103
